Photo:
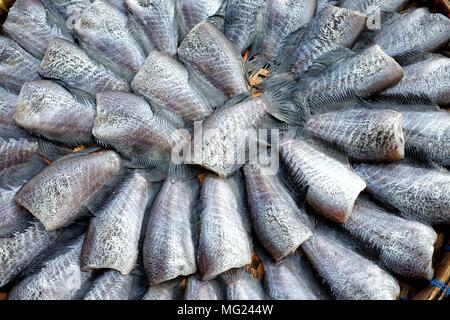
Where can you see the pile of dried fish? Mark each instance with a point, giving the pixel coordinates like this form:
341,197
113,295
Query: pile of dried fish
107,190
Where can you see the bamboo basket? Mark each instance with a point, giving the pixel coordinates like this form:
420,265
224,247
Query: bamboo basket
436,289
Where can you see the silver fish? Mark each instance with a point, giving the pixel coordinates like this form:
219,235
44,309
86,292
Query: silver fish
243,21
155,21
241,285
364,135
170,290
279,224
225,242
368,6
16,65
113,236
104,34
20,250
332,186
214,62
430,30
15,151
47,109
8,127
111,285
405,247
197,289
349,275
126,122
68,63
418,193
31,26
165,83
429,78
195,11
59,279
57,194
331,29
12,217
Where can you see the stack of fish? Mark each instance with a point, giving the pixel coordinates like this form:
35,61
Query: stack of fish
95,96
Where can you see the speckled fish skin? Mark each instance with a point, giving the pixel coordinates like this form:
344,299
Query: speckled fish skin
222,132
195,11
113,236
349,275
332,186
56,195
47,109
103,33
66,62
30,25
156,23
241,285
363,74
18,251
225,242
12,217
16,65
59,279
429,78
126,122
282,18
279,224
367,6
8,127
214,61
243,21
66,12
169,290
364,135
418,193
197,289
165,83
290,279
431,31
331,29
403,246
170,247
111,285
15,151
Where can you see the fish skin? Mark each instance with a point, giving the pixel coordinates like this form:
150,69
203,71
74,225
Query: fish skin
117,4
349,275
224,129
15,151
66,12
31,26
8,127
283,17
197,289
156,23
418,193
169,290
16,65
331,29
18,251
47,109
362,74
241,285
214,61
429,78
403,246
59,279
126,122
280,225
111,285
224,242
431,31
12,217
364,6
165,83
170,242
57,194
195,11
332,186
364,134
66,62
291,279
104,34
113,236
243,21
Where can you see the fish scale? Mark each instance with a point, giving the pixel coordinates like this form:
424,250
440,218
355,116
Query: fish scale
111,285
241,285
364,5
12,217
196,11
15,151
197,289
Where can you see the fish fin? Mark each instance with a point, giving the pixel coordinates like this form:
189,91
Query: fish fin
232,275
253,65
326,60
235,100
167,118
284,60
182,171
154,175
405,99
298,190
